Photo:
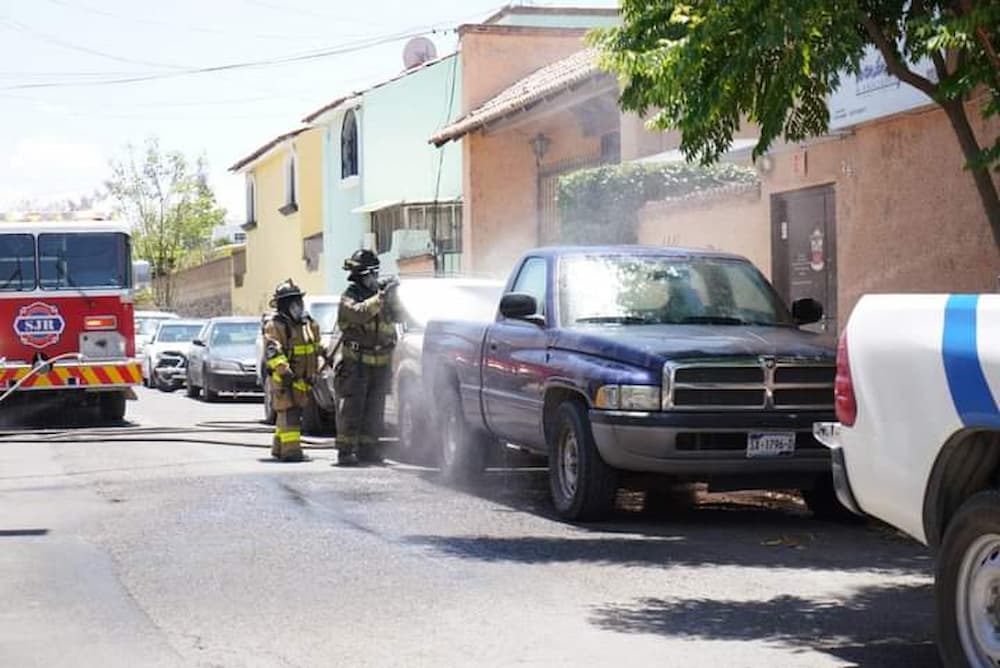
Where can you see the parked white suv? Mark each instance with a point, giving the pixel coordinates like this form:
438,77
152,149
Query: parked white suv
918,446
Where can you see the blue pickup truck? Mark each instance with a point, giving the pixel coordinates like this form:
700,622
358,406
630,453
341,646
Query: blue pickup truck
638,365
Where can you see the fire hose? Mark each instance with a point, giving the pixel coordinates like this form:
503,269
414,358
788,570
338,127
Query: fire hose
45,367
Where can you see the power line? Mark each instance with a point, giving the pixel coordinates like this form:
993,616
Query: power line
186,27
20,27
313,55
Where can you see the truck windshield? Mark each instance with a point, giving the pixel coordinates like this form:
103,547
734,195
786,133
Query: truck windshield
91,260
665,290
17,262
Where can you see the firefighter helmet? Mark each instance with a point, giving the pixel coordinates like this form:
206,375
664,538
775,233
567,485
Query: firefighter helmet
285,290
361,262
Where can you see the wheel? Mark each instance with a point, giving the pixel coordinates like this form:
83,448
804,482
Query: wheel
582,486
112,406
463,454
192,390
824,504
967,585
162,385
270,416
208,394
412,427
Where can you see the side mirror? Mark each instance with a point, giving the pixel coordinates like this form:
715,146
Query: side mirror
807,311
199,343
518,306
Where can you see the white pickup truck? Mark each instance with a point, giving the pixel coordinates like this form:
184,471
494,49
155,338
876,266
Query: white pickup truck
917,445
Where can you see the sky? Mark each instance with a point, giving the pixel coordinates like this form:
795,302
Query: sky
67,111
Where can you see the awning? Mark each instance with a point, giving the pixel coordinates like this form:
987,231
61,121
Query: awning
377,206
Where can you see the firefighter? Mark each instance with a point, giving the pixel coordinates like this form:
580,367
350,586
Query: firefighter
292,349
369,309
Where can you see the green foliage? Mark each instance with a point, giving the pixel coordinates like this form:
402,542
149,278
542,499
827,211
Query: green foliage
601,205
170,205
705,66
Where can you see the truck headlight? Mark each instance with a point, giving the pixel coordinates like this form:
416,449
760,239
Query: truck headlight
628,397
224,365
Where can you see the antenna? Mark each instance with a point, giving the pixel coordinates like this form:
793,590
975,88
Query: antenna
418,51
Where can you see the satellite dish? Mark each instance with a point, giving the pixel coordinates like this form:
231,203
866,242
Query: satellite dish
418,51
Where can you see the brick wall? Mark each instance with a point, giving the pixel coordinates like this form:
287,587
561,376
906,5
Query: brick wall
204,291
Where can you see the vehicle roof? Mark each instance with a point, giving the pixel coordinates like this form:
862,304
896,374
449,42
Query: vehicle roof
635,249
240,319
182,321
55,226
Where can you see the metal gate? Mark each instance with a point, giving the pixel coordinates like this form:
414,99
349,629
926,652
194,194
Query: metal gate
549,222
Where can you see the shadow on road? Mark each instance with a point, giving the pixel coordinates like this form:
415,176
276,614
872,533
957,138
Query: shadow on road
878,626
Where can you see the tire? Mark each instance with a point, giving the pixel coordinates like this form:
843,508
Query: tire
463,453
823,502
207,393
270,415
163,386
111,406
412,444
968,562
582,485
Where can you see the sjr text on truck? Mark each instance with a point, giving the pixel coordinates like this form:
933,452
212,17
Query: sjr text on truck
66,303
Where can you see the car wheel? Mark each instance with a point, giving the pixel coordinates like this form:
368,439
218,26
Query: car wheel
412,443
112,406
208,394
822,501
967,585
270,415
582,485
192,390
463,454
162,385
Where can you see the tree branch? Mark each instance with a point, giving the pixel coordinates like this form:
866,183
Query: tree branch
965,8
893,61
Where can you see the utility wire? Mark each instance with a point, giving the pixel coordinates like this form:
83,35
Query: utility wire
186,27
269,62
20,27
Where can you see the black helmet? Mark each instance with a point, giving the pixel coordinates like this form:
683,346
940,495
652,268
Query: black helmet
285,290
361,262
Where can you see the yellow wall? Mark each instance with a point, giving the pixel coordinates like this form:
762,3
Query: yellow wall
274,247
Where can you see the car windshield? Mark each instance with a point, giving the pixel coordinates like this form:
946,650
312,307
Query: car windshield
658,290
92,260
146,326
234,334
428,300
177,333
325,315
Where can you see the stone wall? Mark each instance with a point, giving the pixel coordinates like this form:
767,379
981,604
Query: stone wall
204,291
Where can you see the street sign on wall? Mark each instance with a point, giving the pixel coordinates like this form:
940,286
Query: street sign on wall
874,93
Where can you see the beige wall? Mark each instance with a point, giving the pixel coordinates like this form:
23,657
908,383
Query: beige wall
908,215
500,176
204,291
274,247
500,207
734,224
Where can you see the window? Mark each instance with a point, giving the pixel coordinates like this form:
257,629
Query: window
531,281
251,200
443,220
71,261
17,262
349,146
239,237
611,148
291,182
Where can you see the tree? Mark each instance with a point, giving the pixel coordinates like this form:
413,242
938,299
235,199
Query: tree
707,65
170,206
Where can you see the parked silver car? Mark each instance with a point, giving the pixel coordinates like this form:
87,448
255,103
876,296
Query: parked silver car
222,360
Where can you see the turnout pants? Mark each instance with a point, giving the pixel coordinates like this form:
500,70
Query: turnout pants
288,435
361,405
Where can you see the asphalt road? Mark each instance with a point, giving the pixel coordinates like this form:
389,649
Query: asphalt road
158,545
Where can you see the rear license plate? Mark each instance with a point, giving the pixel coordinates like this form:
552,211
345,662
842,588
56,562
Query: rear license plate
771,445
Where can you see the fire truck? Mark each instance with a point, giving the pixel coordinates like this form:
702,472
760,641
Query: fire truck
66,304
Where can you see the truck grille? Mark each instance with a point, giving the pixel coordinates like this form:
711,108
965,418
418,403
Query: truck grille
749,384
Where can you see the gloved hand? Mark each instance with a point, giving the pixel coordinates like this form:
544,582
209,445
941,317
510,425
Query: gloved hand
287,377
388,283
